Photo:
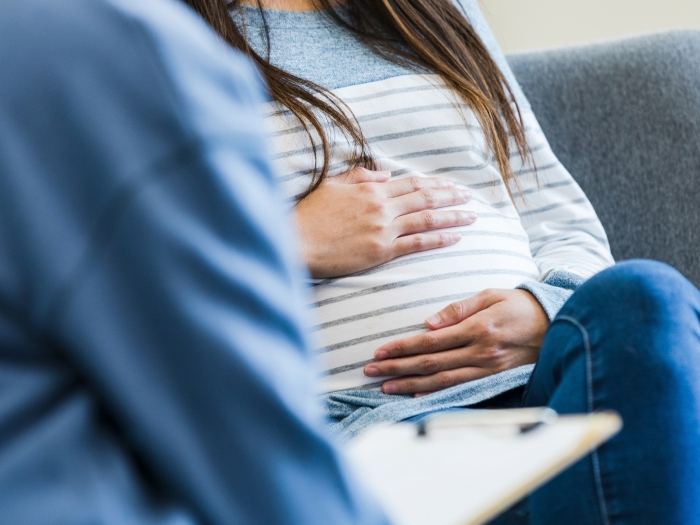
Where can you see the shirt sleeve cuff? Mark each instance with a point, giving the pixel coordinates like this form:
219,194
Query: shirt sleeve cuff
554,291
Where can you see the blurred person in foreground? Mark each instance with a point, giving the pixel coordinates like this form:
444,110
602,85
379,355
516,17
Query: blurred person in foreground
522,304
152,369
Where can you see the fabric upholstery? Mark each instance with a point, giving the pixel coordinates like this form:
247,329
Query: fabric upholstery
624,118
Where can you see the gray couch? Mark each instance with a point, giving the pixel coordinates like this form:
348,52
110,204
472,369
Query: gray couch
624,118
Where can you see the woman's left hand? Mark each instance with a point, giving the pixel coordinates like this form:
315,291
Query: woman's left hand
493,331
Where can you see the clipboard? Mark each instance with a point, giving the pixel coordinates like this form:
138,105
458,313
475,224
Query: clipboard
464,468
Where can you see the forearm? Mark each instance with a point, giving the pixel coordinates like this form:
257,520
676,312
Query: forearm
564,231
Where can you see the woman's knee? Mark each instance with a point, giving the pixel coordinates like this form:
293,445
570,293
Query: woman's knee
638,288
642,312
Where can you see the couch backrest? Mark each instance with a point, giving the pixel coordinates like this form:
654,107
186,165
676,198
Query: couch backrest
624,117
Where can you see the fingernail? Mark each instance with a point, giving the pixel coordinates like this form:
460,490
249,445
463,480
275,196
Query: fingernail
456,237
466,194
390,388
372,371
471,215
446,183
381,354
386,173
434,320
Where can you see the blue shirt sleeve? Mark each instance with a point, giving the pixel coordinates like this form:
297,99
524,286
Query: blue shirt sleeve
148,283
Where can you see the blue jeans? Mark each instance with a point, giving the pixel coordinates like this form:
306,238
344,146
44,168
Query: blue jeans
627,340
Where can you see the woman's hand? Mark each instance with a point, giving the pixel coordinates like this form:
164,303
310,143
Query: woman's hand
494,331
362,219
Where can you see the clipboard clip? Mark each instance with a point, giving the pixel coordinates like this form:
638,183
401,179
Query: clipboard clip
522,419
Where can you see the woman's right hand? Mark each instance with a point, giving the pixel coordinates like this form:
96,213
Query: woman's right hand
362,219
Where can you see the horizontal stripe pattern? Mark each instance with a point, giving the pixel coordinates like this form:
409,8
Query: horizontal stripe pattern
419,280
371,337
422,258
415,128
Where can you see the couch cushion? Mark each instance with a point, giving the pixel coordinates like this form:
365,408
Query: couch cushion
624,117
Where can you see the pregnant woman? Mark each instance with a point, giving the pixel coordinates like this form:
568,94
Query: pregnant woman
444,238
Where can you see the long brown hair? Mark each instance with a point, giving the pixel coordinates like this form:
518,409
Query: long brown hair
432,34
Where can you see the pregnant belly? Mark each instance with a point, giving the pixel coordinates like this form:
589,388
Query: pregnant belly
355,315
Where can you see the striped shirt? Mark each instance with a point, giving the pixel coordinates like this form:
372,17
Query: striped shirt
416,127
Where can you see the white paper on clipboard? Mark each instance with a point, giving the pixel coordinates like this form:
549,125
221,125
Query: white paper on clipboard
467,474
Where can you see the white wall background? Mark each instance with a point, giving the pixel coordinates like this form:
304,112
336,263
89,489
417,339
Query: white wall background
533,24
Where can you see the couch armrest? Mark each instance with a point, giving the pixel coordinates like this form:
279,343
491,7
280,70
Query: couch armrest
624,117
